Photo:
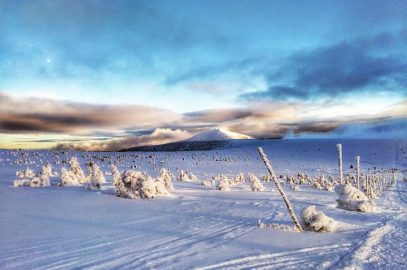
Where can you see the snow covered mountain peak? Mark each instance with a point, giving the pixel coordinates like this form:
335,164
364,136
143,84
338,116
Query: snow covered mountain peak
218,134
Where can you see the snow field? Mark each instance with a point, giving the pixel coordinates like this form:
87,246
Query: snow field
198,226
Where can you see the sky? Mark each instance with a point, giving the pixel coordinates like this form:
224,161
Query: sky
104,75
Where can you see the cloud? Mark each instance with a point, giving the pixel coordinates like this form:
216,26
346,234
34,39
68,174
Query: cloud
372,64
377,129
47,115
158,136
218,115
343,67
280,92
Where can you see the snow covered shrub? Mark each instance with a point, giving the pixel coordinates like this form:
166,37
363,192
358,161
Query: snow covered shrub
133,184
160,187
22,182
316,185
329,187
208,182
239,178
166,177
42,180
46,170
74,176
316,220
193,177
97,179
351,198
36,182
32,180
236,180
223,184
266,178
115,175
148,188
185,177
27,173
68,178
255,183
76,169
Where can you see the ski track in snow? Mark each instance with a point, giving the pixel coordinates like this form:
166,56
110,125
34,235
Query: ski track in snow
292,259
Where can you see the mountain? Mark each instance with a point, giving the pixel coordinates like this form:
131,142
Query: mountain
182,146
218,134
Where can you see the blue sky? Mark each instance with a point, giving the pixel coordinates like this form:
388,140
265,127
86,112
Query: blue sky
204,57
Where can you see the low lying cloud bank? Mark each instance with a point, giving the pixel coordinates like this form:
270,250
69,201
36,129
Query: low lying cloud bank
158,136
385,129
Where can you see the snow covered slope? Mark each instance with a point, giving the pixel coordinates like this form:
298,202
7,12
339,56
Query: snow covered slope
218,134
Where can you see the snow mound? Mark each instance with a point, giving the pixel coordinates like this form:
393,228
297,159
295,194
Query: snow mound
218,134
351,198
316,220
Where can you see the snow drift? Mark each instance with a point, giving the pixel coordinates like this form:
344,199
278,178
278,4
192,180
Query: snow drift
351,198
316,220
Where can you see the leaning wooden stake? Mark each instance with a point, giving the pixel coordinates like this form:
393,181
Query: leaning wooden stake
339,147
280,189
358,171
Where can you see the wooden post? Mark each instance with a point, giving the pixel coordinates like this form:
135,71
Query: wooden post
339,147
280,189
358,171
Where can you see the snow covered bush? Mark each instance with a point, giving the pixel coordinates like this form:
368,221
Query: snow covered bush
193,177
68,178
134,184
239,178
40,181
76,169
32,180
46,170
351,198
183,176
115,175
160,187
27,173
208,183
148,188
316,220
187,177
166,177
255,183
236,180
223,184
74,176
97,179
22,182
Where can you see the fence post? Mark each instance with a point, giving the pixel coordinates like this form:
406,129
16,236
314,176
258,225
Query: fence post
358,171
280,189
339,147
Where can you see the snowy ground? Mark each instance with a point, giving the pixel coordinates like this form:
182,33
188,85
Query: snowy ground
200,227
